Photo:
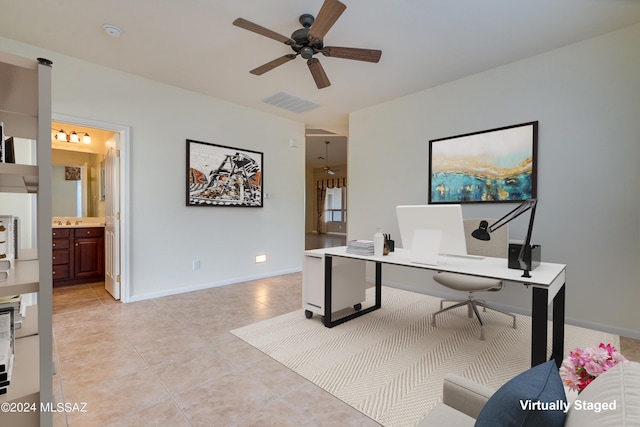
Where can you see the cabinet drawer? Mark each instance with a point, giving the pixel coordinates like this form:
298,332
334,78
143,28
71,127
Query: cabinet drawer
60,271
60,232
88,232
60,257
60,244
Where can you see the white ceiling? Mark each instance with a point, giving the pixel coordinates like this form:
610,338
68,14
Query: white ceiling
192,43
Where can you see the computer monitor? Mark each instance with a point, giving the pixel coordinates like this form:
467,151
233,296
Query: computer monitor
447,218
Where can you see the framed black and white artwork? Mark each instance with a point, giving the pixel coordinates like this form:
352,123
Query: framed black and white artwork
219,175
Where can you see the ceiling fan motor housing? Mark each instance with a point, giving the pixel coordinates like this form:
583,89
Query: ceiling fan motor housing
306,20
303,46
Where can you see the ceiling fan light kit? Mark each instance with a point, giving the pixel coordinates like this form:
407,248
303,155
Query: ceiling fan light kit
326,167
309,41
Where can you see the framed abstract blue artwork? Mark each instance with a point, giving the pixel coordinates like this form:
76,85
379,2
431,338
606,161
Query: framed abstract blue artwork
496,165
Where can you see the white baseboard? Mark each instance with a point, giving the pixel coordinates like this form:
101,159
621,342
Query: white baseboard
630,333
207,285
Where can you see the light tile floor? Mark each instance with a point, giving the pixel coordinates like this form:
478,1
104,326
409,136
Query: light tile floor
171,361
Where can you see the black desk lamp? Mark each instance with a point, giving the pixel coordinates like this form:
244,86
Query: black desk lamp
484,230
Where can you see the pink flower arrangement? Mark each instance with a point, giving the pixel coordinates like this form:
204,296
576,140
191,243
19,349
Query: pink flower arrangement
583,366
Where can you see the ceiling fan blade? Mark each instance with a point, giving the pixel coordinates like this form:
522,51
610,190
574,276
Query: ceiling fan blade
319,76
273,64
368,55
248,25
327,16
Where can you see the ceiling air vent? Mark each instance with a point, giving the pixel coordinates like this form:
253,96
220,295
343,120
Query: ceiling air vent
290,102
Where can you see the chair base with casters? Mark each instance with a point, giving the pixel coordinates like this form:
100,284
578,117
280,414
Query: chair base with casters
469,284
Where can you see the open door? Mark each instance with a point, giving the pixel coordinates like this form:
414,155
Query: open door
112,216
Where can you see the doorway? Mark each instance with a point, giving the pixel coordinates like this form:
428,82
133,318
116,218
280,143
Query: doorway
326,192
114,186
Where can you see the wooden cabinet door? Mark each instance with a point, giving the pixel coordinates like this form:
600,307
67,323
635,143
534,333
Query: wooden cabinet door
88,257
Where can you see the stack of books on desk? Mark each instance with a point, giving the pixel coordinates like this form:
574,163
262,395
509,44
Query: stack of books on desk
360,247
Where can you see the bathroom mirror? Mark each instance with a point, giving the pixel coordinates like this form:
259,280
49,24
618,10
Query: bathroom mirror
76,184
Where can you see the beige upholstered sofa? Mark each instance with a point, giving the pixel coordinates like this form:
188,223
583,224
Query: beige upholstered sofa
612,399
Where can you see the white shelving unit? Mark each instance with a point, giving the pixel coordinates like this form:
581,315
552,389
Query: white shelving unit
19,178
25,110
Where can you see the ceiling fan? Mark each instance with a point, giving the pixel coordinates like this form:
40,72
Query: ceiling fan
326,167
308,41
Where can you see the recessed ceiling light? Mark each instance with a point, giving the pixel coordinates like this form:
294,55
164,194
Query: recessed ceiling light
112,30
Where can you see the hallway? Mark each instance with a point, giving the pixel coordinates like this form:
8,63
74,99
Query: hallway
317,241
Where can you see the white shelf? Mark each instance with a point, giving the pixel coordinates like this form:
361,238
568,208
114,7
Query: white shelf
18,178
25,376
24,278
25,109
25,384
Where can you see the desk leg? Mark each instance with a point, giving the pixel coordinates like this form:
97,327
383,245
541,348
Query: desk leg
328,271
378,285
539,326
539,329
557,351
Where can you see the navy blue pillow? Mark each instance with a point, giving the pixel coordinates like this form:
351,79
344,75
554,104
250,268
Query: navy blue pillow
534,398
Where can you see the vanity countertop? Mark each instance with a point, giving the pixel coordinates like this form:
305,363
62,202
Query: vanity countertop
80,225
77,222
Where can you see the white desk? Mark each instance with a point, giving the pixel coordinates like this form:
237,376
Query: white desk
547,283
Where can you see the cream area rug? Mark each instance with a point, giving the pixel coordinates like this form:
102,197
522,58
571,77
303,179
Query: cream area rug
389,364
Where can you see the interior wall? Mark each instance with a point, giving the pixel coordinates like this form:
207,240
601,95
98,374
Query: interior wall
586,98
166,235
309,201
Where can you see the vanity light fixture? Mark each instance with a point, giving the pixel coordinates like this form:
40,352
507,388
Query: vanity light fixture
72,137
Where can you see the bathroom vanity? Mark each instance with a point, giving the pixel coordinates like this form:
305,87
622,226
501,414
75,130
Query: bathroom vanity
78,252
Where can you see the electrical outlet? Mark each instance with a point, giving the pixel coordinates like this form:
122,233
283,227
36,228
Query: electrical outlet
196,264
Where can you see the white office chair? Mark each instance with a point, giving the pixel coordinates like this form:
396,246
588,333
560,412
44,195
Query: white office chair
497,247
